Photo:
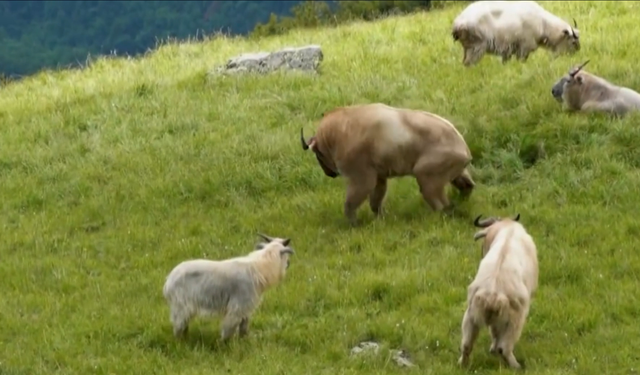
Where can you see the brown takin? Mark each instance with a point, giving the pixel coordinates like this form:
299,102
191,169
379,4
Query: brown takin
501,293
583,91
370,143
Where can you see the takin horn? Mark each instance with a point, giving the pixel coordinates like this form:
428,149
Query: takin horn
575,24
579,68
265,237
305,146
484,223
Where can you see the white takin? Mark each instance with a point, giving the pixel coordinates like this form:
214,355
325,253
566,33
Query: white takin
232,287
501,293
507,28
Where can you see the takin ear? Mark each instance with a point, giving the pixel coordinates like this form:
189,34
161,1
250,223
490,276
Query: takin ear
480,234
287,250
312,144
579,79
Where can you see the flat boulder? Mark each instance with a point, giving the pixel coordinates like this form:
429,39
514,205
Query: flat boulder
306,58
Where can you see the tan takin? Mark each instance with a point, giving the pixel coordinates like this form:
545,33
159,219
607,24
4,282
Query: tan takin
501,293
583,91
370,143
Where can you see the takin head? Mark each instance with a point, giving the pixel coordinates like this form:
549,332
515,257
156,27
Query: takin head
281,249
325,162
567,42
490,227
568,82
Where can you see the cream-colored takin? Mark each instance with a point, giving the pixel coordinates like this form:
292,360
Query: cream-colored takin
500,295
232,288
507,28
370,143
580,90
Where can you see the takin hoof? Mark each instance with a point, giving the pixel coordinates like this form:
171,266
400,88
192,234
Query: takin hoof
463,361
449,210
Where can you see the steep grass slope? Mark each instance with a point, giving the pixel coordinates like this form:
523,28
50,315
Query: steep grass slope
113,175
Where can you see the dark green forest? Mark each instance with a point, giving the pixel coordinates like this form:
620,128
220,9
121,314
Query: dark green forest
36,35
39,34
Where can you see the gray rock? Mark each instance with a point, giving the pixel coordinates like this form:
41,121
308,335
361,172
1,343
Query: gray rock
306,58
402,358
365,346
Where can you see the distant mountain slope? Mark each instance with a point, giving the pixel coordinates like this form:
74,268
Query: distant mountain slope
38,34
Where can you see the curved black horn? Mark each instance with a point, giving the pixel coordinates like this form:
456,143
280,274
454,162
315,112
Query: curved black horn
476,222
305,146
265,237
575,24
484,223
583,64
517,217
579,68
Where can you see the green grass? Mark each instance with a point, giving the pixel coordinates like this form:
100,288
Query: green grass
113,175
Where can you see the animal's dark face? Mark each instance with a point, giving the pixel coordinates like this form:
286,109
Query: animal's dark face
324,163
571,42
328,171
558,88
574,78
571,39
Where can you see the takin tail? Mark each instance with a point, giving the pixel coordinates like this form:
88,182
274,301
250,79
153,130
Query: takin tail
491,306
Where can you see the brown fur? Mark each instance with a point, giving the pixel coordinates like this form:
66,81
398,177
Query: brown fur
371,143
500,294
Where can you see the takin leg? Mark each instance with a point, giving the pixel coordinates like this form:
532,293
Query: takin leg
464,183
612,107
523,50
375,199
230,324
180,321
433,192
495,337
506,56
508,339
474,54
508,52
243,329
358,189
465,54
470,332
434,172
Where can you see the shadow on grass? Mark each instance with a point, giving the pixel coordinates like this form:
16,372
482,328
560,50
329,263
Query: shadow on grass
200,340
408,215
491,362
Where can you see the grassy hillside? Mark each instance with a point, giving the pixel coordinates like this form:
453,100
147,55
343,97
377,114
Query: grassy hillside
113,175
